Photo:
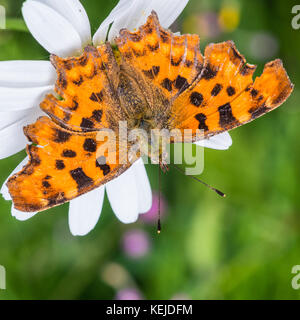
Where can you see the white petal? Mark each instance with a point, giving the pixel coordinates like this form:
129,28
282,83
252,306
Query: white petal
51,30
167,10
125,15
25,74
12,138
132,14
221,141
11,143
20,215
84,211
143,187
123,196
117,12
13,99
74,12
4,189
7,118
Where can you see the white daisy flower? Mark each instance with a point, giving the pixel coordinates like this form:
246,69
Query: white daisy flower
62,27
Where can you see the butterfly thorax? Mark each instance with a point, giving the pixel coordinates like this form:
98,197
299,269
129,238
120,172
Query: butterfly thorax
139,103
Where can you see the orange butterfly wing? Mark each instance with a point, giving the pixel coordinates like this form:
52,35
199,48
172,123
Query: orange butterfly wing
215,93
62,165
84,90
168,61
63,162
224,96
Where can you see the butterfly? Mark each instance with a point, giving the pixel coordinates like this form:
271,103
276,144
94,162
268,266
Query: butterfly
150,78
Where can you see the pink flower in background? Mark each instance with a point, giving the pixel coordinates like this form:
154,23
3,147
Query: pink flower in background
136,243
129,294
152,215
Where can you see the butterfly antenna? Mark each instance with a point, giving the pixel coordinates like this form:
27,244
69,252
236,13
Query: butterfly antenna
159,197
220,193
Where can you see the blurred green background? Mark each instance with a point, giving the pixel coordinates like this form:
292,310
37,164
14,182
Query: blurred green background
240,247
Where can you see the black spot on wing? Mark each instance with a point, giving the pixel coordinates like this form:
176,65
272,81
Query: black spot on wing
156,70
79,81
87,123
81,178
135,37
167,84
61,136
216,90
101,163
201,118
138,53
256,112
226,116
75,105
83,60
152,73
209,72
62,81
261,97
154,47
68,64
148,29
246,70
196,98
188,63
69,153
254,93
97,115
46,184
97,96
176,63
181,83
56,199
230,91
59,164
165,37
90,145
